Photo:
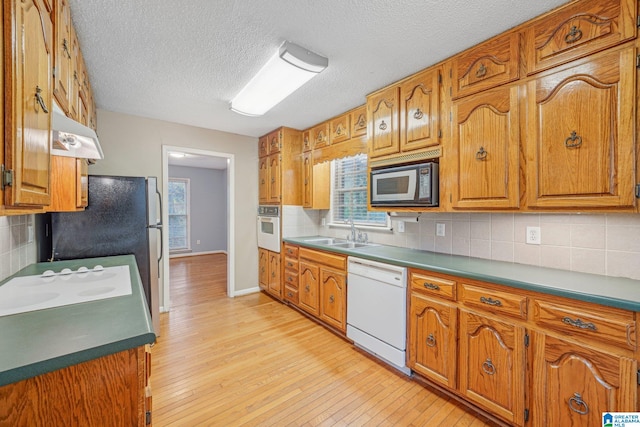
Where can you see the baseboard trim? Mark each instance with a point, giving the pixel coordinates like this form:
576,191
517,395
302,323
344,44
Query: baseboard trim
243,292
196,254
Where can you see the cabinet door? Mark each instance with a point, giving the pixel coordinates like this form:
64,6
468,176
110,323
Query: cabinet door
573,385
581,147
307,179
82,183
359,122
275,287
28,102
63,54
274,178
486,146
432,339
69,184
577,30
307,144
383,114
492,365
309,287
320,135
263,268
74,109
340,129
263,180
420,106
275,142
333,298
263,146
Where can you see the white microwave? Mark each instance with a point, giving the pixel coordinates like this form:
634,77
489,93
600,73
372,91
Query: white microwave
411,185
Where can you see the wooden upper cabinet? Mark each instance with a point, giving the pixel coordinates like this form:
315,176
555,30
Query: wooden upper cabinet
383,111
28,102
580,151
74,95
275,169
358,121
420,110
578,30
69,184
320,135
486,150
307,179
486,65
63,54
340,129
275,141
263,180
307,144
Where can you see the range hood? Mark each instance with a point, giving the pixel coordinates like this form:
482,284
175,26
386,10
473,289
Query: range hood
73,139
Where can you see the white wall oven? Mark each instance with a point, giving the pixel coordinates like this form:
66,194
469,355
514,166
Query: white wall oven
269,228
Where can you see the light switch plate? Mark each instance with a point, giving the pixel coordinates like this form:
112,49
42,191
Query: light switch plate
440,229
400,226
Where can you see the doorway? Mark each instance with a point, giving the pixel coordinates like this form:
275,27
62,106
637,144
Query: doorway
193,157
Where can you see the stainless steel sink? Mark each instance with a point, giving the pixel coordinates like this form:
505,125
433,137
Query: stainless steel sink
330,241
352,245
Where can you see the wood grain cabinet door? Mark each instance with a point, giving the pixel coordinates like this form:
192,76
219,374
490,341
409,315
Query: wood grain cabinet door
263,268
307,179
275,189
263,146
573,385
333,298
309,287
275,287
580,151
320,135
432,339
263,180
359,122
28,102
486,146
62,54
492,365
383,111
420,111
340,129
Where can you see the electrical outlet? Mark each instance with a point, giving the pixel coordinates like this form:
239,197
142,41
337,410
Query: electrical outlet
324,222
30,234
533,236
400,226
197,242
440,229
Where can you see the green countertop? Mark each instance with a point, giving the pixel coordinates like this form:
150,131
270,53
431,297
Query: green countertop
42,341
610,291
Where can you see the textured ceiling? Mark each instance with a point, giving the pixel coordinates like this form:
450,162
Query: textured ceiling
184,61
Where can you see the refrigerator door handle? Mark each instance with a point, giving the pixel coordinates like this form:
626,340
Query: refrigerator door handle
160,200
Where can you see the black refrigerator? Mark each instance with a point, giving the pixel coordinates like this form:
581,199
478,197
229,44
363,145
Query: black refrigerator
123,217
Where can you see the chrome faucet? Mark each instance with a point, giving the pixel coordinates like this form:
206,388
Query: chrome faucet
352,235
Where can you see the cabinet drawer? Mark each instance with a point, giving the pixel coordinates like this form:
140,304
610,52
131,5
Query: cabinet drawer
432,285
291,263
291,278
607,325
494,301
291,294
290,251
487,65
331,260
578,30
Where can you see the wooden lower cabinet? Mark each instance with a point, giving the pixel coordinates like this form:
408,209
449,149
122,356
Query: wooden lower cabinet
523,357
309,287
333,298
574,384
492,365
112,390
263,268
433,328
269,272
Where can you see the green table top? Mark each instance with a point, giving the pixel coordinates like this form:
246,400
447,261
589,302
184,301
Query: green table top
610,291
42,341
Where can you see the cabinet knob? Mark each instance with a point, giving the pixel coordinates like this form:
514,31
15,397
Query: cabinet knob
418,114
577,405
481,71
573,35
481,154
573,141
383,125
488,367
431,341
331,299
306,288
290,294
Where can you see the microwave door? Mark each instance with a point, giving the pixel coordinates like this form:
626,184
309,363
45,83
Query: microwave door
394,186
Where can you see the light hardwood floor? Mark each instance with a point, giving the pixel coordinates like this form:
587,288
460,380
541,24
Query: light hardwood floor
256,362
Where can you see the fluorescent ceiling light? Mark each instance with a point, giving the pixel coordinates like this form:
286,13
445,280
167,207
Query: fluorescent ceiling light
287,70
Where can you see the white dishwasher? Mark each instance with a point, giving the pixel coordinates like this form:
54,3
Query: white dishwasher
377,309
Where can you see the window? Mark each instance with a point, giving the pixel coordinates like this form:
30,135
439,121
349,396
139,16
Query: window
179,214
349,193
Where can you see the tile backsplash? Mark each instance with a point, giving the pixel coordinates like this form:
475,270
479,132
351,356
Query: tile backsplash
16,252
606,244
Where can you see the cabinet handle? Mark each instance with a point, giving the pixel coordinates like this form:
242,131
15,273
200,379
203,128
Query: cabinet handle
488,367
262,269
481,72
491,301
290,279
339,130
383,125
574,140
418,114
431,286
331,299
273,274
431,341
573,35
579,324
361,122
290,294
306,288
577,405
262,182
40,100
481,154
65,47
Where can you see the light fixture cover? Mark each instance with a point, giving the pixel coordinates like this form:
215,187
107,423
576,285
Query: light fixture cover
287,70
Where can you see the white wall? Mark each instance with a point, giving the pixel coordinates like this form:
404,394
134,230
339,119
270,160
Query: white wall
132,146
